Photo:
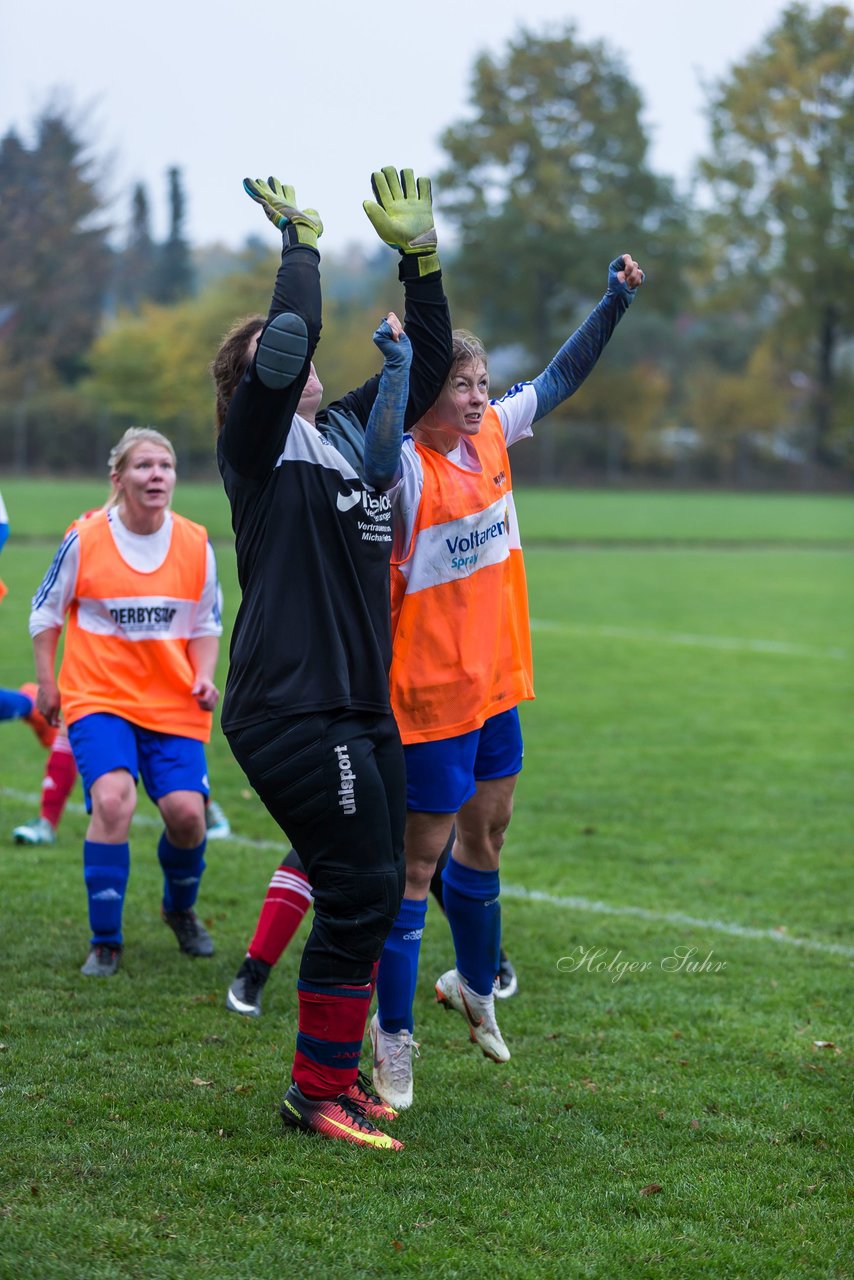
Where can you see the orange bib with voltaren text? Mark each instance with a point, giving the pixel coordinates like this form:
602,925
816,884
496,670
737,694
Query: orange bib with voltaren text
462,641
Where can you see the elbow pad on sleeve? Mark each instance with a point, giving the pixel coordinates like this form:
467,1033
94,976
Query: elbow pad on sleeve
282,349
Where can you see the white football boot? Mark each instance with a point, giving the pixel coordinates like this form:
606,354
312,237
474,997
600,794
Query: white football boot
454,992
393,1054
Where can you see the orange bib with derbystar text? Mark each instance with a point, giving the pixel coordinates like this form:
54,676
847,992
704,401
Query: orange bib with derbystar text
128,633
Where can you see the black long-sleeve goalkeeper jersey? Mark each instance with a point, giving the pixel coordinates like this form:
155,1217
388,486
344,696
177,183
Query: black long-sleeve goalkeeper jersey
313,631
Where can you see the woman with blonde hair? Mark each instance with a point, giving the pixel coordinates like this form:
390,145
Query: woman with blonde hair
138,586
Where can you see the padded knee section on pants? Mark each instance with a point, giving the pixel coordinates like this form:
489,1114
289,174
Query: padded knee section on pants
282,351
354,912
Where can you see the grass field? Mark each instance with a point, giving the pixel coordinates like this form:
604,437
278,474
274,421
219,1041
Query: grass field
687,785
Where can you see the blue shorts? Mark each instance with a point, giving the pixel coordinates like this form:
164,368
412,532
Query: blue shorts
441,776
167,762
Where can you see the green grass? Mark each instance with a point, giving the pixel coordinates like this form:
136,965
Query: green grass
688,756
591,516
547,515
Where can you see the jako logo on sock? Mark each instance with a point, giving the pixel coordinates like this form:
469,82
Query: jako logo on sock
346,795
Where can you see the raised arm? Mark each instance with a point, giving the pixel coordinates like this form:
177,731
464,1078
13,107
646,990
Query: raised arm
402,216
266,398
566,372
384,432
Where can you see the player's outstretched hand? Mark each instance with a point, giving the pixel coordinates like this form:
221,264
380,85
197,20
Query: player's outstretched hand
625,271
393,342
279,203
402,212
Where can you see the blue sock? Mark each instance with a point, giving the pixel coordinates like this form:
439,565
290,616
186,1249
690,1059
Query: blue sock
105,871
182,871
398,971
14,705
474,914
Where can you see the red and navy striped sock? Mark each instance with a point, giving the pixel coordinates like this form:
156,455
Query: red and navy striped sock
329,1041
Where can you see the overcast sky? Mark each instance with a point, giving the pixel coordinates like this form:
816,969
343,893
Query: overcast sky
323,92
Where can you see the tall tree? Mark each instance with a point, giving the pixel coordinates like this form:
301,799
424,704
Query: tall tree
547,182
138,260
54,256
780,178
174,276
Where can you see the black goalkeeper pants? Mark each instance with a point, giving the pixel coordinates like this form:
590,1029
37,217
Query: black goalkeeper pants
335,783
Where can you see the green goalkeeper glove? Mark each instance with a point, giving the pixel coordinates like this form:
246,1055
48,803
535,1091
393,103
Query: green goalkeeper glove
303,226
402,215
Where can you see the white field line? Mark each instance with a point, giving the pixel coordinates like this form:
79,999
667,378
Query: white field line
731,644
519,892
677,918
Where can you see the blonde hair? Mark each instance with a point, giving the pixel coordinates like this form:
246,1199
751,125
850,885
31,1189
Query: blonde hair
120,453
467,349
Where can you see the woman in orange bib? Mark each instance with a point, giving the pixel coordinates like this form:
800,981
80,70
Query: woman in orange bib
138,586
461,665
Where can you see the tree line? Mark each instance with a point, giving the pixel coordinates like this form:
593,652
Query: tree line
736,366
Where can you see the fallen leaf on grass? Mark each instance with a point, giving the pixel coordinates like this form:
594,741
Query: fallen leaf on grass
652,1190
590,1084
825,1044
243,1088
201,1083
395,1244
695,1124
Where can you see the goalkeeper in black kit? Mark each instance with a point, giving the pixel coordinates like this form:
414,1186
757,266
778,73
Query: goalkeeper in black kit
306,709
